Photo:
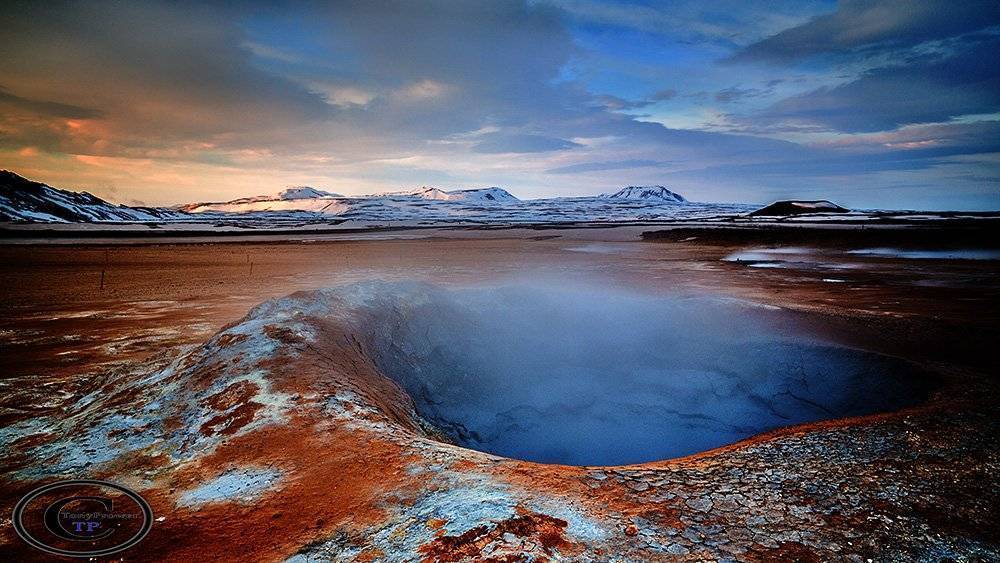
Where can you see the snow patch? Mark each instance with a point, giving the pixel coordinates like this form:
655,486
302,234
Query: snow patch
928,254
242,485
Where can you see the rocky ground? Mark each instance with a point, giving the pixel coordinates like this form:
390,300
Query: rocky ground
274,436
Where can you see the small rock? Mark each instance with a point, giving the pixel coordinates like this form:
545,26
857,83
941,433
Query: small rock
692,536
638,486
677,549
700,504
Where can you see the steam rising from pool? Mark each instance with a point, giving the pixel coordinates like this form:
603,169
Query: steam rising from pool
599,377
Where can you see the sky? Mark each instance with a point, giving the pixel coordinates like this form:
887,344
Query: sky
869,103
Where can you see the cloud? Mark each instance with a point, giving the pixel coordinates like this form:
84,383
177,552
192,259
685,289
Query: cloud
505,143
154,74
691,21
611,165
663,95
898,179
858,24
344,95
43,107
920,166
937,139
422,90
615,103
735,94
378,79
922,89
180,101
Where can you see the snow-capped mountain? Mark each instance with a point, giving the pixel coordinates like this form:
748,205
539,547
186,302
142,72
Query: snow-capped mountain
484,195
652,193
297,198
24,200
318,201
304,192
318,205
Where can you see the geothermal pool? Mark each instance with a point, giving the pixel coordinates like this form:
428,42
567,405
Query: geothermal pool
609,377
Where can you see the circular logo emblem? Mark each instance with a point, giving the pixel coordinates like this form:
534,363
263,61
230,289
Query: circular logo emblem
82,518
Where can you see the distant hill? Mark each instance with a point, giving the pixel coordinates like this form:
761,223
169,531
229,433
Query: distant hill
484,195
24,200
318,201
304,192
499,195
799,207
650,193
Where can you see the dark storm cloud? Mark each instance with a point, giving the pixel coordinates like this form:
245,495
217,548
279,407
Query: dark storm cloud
858,24
921,89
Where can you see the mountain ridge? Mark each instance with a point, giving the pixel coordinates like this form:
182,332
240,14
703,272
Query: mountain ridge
493,193
25,201
22,199
305,192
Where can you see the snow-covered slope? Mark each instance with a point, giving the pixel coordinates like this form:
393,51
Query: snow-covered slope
296,198
419,193
304,192
650,193
322,205
24,200
484,195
